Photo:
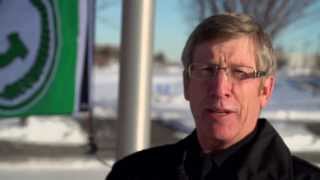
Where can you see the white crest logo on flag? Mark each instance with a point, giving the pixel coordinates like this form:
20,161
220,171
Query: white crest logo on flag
28,49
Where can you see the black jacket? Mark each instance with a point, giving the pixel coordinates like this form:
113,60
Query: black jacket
264,157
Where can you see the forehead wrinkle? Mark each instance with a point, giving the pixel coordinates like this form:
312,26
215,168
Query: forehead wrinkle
218,53
222,54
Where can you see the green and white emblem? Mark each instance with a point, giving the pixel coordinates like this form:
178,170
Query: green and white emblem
28,48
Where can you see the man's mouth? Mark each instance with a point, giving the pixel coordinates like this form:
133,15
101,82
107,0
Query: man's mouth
219,111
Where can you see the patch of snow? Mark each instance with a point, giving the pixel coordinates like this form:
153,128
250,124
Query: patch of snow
297,137
45,130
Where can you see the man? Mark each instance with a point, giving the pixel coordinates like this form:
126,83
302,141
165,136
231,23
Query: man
229,76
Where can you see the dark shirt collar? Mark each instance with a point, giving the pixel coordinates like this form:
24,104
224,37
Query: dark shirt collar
200,164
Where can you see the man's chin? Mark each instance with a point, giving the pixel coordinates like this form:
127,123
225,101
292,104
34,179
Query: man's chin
223,134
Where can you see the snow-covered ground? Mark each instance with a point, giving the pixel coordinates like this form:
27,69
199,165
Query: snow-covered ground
57,130
289,103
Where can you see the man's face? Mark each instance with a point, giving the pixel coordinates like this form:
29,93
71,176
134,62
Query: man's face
225,110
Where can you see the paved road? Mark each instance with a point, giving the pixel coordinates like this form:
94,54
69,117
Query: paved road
79,169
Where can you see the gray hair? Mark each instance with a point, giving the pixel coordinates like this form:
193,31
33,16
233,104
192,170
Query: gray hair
228,26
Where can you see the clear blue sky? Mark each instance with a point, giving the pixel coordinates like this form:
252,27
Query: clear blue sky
172,29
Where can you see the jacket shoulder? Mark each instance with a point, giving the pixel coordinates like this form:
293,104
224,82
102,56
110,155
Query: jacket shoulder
147,163
155,154
305,170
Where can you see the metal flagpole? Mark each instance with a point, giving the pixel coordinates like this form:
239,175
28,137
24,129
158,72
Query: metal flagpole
135,76
91,9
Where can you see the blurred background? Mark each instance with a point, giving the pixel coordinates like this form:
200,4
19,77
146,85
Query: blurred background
86,139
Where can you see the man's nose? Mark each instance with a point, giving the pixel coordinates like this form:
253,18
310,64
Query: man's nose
220,85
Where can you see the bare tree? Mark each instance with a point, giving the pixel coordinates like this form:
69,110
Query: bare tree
273,15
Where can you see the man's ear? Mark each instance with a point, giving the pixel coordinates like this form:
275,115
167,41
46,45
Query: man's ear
185,84
266,90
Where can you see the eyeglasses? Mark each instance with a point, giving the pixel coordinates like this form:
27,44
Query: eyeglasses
234,72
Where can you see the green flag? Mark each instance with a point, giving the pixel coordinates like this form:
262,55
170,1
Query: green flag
42,52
